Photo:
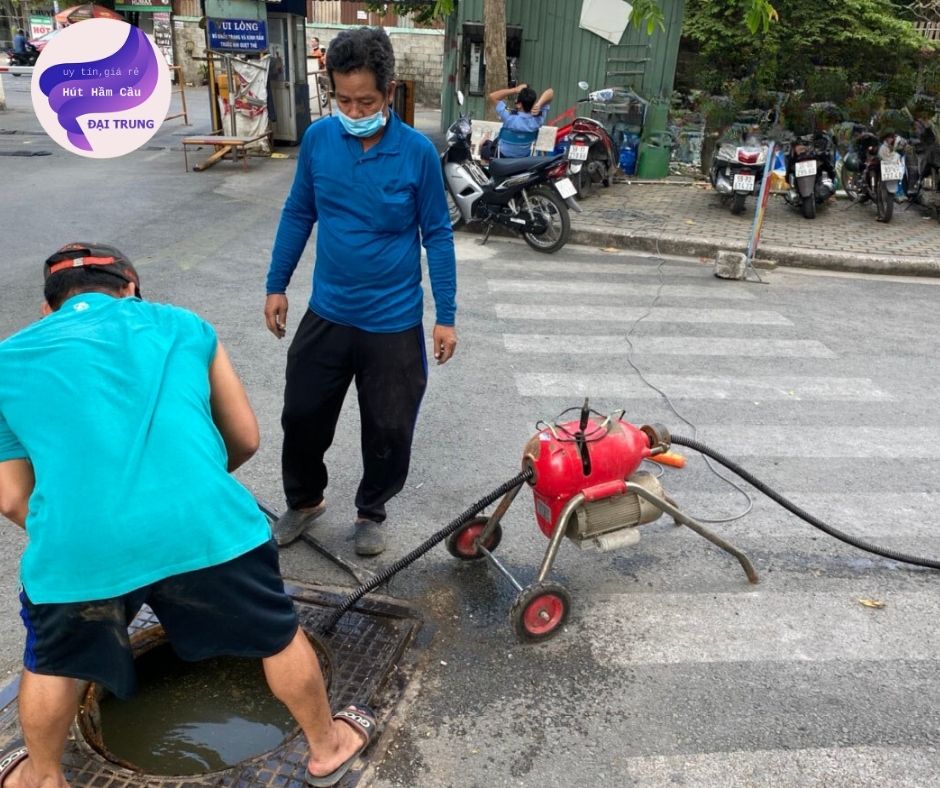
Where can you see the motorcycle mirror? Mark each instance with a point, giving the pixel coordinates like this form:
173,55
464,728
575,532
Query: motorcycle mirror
583,85
460,97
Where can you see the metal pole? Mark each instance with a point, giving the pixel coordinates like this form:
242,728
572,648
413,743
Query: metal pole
760,210
230,76
210,73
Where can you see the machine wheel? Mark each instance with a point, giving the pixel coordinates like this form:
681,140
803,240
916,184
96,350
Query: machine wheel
539,611
737,203
452,210
885,203
809,207
462,542
548,206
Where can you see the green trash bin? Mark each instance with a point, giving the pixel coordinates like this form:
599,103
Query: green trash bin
657,115
653,157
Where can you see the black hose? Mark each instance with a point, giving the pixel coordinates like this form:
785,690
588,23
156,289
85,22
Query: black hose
425,546
868,547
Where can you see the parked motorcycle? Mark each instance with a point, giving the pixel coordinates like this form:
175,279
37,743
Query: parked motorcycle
921,168
872,171
737,169
591,154
529,196
810,172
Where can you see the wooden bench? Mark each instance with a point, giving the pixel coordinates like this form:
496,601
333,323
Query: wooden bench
223,146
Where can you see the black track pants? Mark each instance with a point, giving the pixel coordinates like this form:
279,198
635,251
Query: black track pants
391,375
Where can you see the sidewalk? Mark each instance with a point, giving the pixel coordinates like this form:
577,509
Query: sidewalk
679,217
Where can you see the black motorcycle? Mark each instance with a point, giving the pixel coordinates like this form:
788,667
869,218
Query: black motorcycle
810,172
872,170
27,58
922,168
529,196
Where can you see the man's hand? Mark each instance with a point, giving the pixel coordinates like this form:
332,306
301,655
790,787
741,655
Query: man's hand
275,314
444,339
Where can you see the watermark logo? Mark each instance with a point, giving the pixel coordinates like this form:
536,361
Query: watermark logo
101,88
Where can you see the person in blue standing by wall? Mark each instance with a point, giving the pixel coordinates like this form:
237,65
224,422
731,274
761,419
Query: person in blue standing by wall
19,42
520,125
374,188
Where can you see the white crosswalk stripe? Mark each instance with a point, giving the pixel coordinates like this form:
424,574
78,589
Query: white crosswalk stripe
617,345
631,289
596,313
630,386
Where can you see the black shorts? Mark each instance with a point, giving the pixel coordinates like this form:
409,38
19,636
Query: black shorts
238,608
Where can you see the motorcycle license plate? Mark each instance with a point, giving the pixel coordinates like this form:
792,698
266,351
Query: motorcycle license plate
743,183
890,172
565,188
802,168
578,153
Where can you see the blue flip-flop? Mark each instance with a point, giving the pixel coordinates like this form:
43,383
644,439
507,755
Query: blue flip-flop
362,719
10,760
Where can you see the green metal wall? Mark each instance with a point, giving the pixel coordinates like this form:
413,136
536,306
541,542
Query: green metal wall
557,53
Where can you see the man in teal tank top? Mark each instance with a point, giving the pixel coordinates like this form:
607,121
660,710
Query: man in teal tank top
120,422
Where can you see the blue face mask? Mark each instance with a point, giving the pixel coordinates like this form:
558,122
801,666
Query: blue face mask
362,127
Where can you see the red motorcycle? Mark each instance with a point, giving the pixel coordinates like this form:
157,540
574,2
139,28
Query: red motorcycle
591,154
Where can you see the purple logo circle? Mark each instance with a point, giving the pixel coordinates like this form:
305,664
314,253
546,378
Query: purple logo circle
101,88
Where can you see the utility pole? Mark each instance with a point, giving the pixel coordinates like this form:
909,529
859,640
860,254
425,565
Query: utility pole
494,49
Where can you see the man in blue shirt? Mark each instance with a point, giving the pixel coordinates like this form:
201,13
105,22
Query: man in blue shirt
521,125
375,190
19,42
120,421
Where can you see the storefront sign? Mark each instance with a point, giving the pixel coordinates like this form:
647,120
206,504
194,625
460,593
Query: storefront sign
39,25
144,5
163,35
237,35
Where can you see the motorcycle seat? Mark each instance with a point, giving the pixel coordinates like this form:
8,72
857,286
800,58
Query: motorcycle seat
502,168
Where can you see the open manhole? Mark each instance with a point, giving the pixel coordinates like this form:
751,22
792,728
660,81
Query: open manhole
368,658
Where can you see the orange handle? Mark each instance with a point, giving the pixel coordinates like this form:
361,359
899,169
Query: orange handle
669,458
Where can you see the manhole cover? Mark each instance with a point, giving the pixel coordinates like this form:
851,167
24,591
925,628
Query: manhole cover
371,661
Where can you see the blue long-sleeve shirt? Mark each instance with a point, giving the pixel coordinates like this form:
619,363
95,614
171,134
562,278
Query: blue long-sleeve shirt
374,210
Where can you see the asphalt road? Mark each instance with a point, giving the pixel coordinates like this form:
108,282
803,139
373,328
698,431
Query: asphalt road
672,669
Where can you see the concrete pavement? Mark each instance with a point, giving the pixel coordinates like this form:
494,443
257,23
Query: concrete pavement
685,217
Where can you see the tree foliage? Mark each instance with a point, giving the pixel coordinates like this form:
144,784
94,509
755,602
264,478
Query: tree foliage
756,14
869,40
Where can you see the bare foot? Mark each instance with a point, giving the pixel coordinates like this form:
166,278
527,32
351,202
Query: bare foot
23,776
347,741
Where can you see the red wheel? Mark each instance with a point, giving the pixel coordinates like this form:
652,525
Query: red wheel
462,543
539,612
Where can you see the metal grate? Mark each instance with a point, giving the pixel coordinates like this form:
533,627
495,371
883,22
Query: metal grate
368,644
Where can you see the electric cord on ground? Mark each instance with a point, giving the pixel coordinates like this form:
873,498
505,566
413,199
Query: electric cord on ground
425,546
868,547
672,407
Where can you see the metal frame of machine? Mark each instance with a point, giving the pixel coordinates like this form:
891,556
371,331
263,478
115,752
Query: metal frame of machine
587,487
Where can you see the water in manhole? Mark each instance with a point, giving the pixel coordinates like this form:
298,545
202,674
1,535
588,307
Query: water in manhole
192,717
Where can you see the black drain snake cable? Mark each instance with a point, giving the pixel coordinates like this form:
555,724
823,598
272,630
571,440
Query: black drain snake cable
425,546
868,547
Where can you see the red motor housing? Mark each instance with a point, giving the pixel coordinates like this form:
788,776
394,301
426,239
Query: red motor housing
614,449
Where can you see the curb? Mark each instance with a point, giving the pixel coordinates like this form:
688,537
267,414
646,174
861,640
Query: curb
687,246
